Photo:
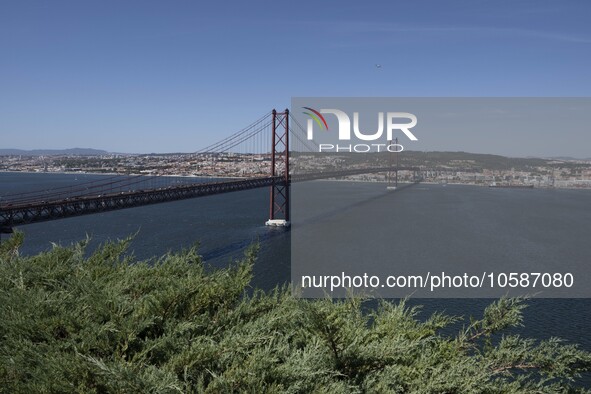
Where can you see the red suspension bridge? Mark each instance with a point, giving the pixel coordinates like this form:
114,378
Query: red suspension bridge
264,145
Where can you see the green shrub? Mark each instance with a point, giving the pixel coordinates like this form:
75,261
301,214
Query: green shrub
108,323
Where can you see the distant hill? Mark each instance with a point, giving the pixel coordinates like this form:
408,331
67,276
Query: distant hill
458,160
53,152
568,158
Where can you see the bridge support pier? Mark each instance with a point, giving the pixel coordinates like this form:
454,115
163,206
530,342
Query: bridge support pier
279,194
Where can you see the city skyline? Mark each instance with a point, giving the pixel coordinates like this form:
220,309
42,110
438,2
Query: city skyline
145,77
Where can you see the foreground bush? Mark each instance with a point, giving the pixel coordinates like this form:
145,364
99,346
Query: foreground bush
108,323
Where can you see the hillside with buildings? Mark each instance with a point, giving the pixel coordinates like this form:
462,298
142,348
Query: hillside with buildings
441,167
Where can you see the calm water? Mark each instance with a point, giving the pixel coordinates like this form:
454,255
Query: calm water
225,224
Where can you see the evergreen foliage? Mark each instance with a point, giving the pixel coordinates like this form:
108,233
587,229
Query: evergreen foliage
110,324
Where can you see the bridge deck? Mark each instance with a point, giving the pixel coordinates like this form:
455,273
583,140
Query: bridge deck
39,211
11,215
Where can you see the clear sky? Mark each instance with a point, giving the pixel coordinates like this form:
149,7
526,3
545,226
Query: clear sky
170,76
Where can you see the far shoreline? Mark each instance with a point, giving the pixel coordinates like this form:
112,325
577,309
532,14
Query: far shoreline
118,173
243,177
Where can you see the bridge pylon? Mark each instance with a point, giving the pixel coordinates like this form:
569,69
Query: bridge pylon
393,167
279,193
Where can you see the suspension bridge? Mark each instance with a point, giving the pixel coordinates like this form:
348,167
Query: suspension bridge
257,156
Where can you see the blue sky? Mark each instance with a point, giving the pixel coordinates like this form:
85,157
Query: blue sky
169,76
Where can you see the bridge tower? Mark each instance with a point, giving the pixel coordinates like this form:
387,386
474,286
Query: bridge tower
393,166
279,202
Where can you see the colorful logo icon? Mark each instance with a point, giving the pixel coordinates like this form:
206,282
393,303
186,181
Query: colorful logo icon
318,118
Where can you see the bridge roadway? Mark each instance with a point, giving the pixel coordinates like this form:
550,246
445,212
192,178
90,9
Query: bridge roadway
40,211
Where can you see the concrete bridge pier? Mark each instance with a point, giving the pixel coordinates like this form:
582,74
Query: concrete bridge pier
5,230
